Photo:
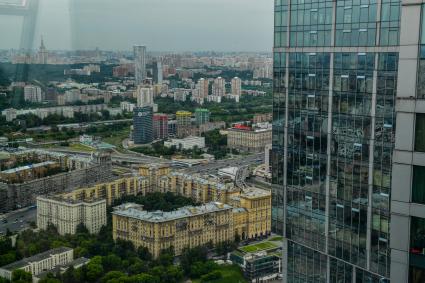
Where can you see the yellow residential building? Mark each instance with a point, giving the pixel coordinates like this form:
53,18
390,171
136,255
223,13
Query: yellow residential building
256,220
113,190
250,140
184,123
153,172
199,188
186,227
252,205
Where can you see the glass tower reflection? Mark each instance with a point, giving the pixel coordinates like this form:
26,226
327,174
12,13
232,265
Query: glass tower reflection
335,81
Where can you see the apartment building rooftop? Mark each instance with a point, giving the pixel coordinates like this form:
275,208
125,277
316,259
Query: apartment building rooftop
40,151
161,216
205,181
26,167
36,258
70,201
252,192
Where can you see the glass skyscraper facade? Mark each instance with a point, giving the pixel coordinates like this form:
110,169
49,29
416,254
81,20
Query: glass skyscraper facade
143,125
334,120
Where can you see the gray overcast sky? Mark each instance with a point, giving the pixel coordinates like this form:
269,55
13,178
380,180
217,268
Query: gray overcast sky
163,25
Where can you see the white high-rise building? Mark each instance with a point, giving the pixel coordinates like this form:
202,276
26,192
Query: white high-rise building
219,87
139,63
33,93
144,95
202,87
67,214
236,86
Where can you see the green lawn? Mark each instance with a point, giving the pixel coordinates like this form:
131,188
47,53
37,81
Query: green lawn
116,138
276,238
81,147
258,247
231,274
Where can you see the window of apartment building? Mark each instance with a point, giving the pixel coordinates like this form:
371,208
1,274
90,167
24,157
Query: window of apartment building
417,250
418,184
417,236
416,274
420,133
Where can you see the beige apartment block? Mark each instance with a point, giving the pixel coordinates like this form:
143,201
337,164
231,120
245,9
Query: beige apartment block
67,214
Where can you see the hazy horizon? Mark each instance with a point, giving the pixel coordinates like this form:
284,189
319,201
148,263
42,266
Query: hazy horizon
161,25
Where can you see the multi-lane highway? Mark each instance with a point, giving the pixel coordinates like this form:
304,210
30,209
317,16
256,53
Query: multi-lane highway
118,157
18,219
213,166
208,168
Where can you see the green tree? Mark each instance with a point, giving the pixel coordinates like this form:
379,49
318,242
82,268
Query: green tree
213,275
94,269
82,229
225,247
105,114
50,278
7,258
197,269
112,275
171,273
190,256
137,267
21,276
111,262
68,276
124,249
144,253
143,278
166,256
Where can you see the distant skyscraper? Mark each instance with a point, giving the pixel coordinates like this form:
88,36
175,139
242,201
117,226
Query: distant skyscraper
335,86
202,88
157,72
33,93
219,87
139,63
202,116
236,86
143,125
144,95
160,126
184,123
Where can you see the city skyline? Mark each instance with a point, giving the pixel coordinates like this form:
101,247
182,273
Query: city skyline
181,28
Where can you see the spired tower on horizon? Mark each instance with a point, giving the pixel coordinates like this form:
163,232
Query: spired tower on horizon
348,170
43,54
